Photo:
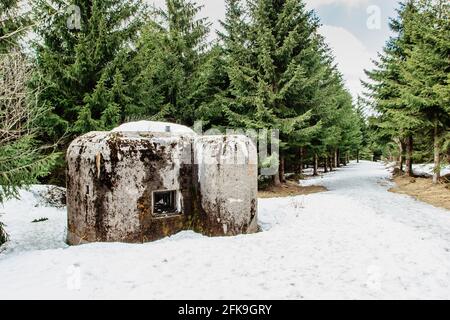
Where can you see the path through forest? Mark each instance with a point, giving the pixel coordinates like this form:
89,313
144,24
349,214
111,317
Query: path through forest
355,241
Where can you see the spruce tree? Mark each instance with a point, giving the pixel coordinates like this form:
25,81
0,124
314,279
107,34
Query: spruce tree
13,25
410,86
172,55
327,98
265,67
208,87
426,72
398,119
82,56
230,52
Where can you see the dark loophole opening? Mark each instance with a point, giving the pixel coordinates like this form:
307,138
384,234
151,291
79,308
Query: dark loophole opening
164,202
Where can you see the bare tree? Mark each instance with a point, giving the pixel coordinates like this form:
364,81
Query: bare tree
22,159
17,108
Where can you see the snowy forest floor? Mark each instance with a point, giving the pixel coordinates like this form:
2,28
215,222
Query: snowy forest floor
355,241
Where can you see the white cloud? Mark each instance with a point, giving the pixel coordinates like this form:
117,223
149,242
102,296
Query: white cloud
351,55
215,9
348,3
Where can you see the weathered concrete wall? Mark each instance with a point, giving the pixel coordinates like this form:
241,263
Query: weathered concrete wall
111,177
227,177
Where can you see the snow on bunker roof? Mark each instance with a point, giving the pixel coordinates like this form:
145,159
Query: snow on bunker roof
153,126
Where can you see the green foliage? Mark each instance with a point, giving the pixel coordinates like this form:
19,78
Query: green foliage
263,64
397,118
12,25
426,71
172,64
269,69
22,158
280,74
21,164
410,86
85,72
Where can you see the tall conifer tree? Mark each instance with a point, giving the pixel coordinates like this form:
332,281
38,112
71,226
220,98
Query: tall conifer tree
171,56
82,61
265,68
426,72
397,117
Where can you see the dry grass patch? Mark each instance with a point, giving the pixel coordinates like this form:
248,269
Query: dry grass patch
289,189
424,190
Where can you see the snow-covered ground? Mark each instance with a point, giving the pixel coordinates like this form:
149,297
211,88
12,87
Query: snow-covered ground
428,169
356,241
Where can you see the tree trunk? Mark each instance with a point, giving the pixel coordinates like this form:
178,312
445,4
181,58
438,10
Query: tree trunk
282,177
276,176
325,164
409,153
401,159
330,162
336,158
437,155
276,179
300,161
316,164
357,156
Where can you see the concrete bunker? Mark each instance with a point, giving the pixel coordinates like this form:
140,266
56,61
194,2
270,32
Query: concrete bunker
140,186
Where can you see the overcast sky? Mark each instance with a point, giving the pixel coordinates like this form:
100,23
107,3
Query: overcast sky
355,30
